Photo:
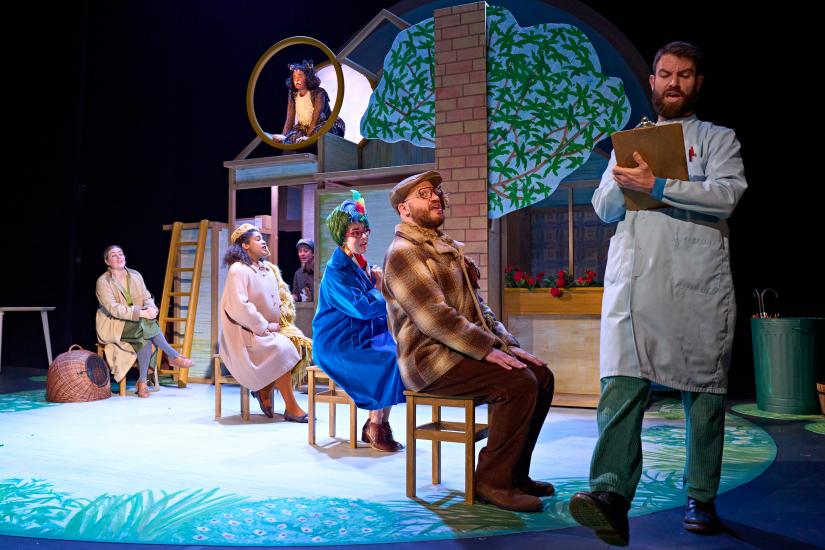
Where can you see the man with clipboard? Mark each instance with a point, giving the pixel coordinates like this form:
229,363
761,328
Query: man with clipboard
668,311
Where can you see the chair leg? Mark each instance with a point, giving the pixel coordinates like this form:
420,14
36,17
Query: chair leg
469,452
353,425
436,447
217,374
245,403
311,412
410,447
332,419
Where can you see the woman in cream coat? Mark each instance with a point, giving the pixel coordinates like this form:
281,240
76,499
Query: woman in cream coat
126,321
257,345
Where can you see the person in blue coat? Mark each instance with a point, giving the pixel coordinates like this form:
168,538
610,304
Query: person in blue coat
351,341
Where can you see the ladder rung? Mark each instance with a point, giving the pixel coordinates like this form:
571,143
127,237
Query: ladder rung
183,269
176,319
186,243
180,294
175,345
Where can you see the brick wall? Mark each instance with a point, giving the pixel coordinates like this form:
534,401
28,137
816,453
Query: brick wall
461,125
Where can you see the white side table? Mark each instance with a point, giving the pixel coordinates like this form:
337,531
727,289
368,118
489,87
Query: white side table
44,312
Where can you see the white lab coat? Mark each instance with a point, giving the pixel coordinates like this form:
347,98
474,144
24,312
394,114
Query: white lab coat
669,310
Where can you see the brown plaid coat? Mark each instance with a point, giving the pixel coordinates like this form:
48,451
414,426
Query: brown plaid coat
430,309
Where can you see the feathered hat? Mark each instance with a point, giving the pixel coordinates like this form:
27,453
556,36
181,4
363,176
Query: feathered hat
350,211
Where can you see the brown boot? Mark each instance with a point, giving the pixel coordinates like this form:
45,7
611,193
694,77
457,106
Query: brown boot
509,499
398,446
142,389
376,436
536,488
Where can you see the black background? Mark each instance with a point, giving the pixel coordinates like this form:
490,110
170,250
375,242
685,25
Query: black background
122,114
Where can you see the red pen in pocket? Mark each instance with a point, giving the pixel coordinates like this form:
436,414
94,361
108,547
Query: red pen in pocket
691,154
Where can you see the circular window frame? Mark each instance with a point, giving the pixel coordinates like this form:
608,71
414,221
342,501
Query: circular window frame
253,81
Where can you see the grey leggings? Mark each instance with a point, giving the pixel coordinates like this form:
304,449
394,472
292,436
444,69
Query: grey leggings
145,354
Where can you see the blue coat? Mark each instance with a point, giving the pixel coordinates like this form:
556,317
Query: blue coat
351,342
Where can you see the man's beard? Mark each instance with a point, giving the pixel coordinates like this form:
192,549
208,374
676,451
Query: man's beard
674,110
426,218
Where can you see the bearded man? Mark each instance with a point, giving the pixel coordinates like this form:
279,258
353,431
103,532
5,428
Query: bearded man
450,343
668,311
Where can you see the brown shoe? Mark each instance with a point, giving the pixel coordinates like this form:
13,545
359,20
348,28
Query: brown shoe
398,446
537,488
509,499
376,436
142,389
181,362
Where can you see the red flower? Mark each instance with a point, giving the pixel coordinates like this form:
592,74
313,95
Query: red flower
531,281
509,269
518,276
560,282
560,274
555,292
540,275
580,280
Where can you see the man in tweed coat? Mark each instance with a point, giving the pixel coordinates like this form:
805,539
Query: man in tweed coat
450,343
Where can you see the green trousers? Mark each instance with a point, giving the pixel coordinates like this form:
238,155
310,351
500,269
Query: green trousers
617,459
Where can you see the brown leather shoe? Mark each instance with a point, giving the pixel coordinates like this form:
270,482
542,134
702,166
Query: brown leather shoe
398,446
142,389
181,362
376,436
537,488
509,499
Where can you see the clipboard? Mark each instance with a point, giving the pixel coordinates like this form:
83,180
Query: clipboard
662,147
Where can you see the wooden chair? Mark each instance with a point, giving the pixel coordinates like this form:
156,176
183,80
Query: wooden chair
122,383
467,432
334,396
221,379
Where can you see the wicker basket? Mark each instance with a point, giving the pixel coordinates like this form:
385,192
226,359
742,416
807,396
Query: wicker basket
76,376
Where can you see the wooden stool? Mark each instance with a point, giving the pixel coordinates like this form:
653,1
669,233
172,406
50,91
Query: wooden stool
467,432
334,396
221,379
122,382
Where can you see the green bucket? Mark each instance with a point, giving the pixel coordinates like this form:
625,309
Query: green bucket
788,358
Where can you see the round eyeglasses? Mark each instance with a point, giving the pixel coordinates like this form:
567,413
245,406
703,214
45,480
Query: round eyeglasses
356,234
427,192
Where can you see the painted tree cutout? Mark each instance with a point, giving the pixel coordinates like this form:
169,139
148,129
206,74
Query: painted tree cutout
548,104
402,107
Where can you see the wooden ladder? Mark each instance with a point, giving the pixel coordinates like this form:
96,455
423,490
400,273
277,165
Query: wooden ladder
171,297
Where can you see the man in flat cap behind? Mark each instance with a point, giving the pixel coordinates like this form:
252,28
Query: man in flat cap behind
304,279
450,343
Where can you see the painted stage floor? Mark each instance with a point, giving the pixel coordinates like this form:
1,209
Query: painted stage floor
164,471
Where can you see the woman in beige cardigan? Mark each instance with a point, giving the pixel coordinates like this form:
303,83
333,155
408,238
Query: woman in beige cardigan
258,343
126,321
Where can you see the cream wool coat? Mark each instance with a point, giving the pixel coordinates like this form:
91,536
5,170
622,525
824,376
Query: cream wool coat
110,317
251,301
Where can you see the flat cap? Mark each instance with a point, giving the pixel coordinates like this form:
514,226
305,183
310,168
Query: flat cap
306,242
403,188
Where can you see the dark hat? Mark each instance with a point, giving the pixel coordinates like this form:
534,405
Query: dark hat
402,189
306,242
